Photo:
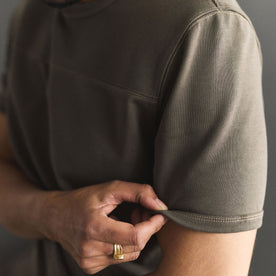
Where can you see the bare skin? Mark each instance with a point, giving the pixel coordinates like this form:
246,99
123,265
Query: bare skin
195,253
79,221
76,219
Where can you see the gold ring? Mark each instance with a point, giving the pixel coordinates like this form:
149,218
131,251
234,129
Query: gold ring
118,252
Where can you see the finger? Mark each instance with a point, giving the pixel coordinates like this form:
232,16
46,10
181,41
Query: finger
108,230
97,248
136,192
89,264
149,227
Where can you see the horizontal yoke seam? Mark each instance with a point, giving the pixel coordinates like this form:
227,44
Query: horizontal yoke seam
120,88
194,21
153,99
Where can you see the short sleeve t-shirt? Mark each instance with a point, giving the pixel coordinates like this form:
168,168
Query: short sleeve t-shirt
167,93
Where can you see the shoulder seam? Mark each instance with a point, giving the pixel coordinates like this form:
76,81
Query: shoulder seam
194,21
214,13
172,54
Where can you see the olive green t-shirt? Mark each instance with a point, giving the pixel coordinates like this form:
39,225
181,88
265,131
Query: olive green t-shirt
163,92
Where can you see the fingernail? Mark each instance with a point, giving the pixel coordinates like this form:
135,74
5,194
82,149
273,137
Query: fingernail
161,204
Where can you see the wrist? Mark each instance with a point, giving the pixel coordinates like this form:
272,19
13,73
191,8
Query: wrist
42,217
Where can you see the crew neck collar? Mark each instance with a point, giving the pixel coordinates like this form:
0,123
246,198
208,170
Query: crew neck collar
85,9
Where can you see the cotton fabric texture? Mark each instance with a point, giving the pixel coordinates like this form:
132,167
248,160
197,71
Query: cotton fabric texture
166,92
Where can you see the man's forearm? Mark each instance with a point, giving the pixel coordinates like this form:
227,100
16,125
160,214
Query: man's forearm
20,202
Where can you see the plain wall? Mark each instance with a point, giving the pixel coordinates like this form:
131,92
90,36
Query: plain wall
262,14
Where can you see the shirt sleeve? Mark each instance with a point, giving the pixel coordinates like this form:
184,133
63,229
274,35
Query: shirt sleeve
210,155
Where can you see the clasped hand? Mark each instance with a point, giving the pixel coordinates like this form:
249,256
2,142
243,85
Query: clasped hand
79,221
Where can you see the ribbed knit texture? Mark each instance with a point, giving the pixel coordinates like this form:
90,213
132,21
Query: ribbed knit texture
211,148
167,93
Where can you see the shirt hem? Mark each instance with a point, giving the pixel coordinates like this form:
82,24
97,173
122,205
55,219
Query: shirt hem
214,224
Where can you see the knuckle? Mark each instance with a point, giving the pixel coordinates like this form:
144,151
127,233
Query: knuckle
84,263
115,183
133,256
84,250
148,188
112,186
108,249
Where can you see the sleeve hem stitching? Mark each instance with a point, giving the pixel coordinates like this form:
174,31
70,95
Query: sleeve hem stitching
230,219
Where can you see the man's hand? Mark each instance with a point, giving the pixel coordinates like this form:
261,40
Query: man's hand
79,221
76,219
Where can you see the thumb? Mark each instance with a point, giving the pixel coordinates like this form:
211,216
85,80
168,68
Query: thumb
138,193
149,227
